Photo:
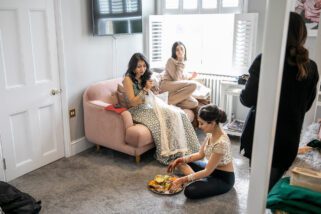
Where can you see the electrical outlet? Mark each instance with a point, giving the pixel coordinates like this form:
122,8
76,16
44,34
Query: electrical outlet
72,113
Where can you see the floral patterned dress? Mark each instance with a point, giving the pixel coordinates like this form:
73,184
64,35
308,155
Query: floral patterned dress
145,114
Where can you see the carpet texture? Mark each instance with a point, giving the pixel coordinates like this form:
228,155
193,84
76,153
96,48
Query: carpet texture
111,182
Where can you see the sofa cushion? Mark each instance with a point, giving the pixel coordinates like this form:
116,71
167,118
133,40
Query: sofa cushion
138,136
121,95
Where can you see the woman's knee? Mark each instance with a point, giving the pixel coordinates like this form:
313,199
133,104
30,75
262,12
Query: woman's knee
190,191
192,86
193,192
194,102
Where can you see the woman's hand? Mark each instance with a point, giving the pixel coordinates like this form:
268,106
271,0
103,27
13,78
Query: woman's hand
304,149
174,163
194,74
178,183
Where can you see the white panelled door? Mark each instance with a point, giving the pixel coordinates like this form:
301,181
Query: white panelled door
31,117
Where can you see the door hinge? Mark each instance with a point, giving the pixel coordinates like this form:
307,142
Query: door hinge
4,164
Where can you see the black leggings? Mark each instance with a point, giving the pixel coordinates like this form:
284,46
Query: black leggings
217,183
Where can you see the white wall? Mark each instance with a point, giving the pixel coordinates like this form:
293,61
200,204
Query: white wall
89,58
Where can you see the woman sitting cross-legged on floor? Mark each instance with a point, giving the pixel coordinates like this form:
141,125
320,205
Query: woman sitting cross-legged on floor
216,175
172,132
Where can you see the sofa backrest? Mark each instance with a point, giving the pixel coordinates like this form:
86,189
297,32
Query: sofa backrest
103,90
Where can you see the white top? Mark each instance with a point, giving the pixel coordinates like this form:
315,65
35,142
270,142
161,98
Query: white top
220,146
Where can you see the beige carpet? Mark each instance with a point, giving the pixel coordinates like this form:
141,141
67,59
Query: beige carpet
111,182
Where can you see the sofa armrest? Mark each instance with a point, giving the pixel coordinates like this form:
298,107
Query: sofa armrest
99,103
126,116
103,127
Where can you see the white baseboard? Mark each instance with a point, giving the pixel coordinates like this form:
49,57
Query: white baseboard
79,145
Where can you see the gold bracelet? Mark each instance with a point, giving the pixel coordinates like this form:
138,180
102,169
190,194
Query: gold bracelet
190,177
186,158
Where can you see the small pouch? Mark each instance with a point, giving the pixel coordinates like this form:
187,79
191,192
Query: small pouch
115,108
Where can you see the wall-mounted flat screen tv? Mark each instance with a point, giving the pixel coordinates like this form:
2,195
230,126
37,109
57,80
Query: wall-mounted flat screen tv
116,17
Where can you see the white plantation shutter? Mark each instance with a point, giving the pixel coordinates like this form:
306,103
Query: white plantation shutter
104,7
245,30
164,30
117,6
156,42
131,6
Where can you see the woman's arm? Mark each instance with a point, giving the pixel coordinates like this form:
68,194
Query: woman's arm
210,167
198,155
314,89
189,158
217,153
248,96
192,76
174,69
129,89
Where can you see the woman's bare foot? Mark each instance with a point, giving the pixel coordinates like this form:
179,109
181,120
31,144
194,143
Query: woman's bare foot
304,149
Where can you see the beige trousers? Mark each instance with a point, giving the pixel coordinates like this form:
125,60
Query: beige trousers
180,93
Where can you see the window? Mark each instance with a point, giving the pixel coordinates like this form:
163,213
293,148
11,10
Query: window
230,3
189,4
209,4
171,4
219,37
107,8
202,6
215,43
131,6
103,7
116,6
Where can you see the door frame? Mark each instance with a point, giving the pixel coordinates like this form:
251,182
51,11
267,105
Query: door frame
62,76
2,170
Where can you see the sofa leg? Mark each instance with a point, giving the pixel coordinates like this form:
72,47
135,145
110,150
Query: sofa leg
97,147
137,158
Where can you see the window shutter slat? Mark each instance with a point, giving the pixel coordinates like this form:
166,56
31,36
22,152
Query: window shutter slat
117,6
155,42
104,7
245,28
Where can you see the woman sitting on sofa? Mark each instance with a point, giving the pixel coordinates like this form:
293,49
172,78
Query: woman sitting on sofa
176,81
171,130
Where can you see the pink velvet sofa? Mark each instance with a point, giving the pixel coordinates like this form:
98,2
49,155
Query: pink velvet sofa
110,129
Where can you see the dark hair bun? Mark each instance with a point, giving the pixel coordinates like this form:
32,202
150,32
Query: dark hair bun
302,55
212,113
222,116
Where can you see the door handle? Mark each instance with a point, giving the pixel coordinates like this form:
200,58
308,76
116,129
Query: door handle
55,91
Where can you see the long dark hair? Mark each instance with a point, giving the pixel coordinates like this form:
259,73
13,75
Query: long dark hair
132,66
296,53
174,49
211,112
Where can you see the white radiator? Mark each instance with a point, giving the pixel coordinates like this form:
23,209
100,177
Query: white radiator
213,82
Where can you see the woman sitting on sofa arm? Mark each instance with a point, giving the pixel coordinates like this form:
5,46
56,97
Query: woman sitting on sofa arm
171,130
